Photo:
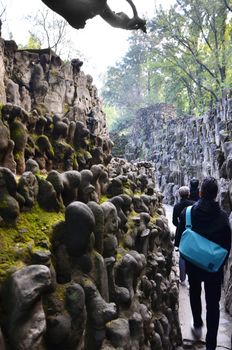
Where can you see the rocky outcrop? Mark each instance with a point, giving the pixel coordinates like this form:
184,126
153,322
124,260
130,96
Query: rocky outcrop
86,253
50,112
183,147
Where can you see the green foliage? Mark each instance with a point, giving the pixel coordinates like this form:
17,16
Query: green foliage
49,30
112,114
184,60
33,43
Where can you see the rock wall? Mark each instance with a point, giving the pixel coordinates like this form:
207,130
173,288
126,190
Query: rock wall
86,252
50,112
183,147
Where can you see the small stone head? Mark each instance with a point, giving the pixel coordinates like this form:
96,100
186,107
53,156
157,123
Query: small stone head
110,218
80,224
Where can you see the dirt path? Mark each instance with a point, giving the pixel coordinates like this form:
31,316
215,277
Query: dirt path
225,327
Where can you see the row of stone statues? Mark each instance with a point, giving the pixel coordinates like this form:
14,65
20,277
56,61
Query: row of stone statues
51,141
107,281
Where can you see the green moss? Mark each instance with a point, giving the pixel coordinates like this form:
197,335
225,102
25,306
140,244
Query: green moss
41,109
54,72
66,108
128,191
1,107
17,156
3,203
32,232
154,218
83,153
127,188
45,146
103,199
74,161
60,292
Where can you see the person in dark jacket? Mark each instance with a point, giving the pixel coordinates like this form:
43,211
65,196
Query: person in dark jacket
178,207
209,220
194,189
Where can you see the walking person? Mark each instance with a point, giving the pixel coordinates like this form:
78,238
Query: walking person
183,203
210,221
194,189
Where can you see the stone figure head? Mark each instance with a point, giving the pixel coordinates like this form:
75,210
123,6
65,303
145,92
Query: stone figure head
80,136
87,190
110,218
80,224
28,187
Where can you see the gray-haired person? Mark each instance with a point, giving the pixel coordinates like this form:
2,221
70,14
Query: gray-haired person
184,202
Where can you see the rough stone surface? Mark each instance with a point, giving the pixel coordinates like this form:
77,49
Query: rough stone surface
25,317
86,254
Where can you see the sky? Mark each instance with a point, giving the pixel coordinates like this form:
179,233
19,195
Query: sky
100,44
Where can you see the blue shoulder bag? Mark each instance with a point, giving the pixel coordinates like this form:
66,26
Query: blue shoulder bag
199,250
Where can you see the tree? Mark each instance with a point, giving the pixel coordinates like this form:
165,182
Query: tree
50,31
184,60
124,84
33,43
195,36
228,4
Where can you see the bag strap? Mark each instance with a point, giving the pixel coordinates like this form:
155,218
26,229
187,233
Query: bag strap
188,222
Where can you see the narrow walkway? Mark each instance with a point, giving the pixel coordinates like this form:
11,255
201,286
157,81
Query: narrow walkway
185,315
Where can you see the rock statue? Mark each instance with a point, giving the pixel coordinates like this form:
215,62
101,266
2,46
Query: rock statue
9,206
47,196
99,225
25,322
110,242
28,188
106,312
80,224
87,190
71,180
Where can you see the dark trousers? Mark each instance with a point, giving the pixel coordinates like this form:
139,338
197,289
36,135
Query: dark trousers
212,298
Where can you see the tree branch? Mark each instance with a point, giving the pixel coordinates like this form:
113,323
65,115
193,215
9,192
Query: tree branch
227,5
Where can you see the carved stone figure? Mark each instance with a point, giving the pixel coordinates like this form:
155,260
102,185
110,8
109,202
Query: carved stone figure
70,181
25,318
9,206
99,225
87,190
80,224
28,188
47,196
96,320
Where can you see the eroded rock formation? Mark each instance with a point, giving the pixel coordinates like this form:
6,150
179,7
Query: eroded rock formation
102,277
50,113
86,253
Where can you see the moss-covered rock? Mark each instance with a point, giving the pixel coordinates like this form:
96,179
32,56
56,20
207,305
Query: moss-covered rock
17,243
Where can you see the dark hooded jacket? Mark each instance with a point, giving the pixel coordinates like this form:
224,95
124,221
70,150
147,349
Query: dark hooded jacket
194,190
178,207
209,220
